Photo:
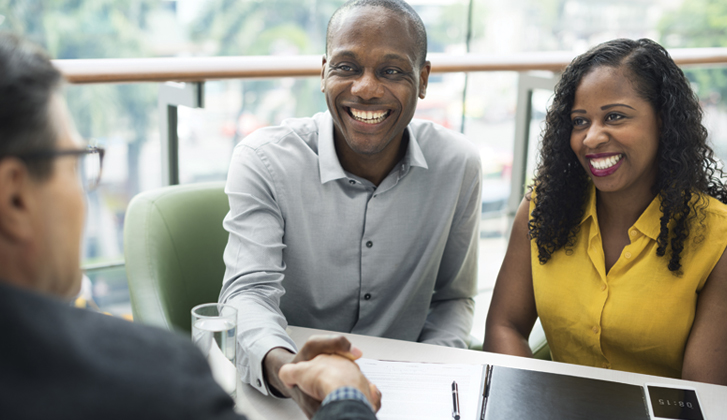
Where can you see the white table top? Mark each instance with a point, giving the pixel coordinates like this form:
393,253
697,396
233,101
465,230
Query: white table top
258,407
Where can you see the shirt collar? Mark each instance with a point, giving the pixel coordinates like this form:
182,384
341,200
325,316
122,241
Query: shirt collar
647,223
590,210
414,155
330,167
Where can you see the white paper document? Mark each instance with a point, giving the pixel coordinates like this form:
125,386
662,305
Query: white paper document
422,391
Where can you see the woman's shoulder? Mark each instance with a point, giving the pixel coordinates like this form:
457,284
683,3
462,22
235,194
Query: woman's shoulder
716,210
711,222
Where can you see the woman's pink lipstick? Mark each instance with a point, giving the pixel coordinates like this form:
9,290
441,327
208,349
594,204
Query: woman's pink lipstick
603,172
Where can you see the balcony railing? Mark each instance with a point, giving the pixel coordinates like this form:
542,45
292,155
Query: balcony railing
197,69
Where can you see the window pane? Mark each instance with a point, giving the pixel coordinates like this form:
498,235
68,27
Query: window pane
124,118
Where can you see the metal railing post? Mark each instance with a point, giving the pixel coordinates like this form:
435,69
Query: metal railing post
171,95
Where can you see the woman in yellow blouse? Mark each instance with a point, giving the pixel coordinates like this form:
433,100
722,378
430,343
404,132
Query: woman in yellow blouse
619,246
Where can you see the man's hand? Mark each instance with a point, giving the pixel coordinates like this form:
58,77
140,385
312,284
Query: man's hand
326,373
317,344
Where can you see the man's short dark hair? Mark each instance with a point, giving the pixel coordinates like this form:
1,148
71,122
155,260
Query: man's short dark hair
399,7
27,82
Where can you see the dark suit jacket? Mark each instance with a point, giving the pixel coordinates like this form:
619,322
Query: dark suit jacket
58,362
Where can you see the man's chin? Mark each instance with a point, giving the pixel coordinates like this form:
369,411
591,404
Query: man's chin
368,148
368,144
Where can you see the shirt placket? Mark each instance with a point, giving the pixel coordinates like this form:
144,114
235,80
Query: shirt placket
597,257
371,248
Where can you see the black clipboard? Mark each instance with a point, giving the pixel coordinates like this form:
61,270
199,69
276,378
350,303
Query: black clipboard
510,393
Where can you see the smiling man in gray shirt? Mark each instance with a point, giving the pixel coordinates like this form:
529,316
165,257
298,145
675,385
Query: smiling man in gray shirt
358,219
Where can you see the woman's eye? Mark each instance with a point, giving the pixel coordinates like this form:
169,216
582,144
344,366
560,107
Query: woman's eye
578,121
613,117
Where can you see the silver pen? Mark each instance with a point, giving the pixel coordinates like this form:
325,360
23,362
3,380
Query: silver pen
455,401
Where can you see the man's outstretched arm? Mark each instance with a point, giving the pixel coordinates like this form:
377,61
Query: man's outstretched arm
339,383
318,379
254,264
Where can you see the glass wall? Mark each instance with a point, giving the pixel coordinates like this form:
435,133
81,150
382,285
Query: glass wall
124,118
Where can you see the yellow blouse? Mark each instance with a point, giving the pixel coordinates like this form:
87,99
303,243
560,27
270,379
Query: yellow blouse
637,317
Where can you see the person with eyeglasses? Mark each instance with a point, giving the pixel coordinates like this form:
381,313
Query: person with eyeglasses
60,362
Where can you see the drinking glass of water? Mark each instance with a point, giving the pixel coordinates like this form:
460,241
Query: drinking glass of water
214,327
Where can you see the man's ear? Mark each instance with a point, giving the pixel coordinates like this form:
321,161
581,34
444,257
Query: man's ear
323,73
16,200
424,79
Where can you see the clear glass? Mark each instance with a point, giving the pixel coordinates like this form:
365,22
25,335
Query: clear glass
122,119
214,328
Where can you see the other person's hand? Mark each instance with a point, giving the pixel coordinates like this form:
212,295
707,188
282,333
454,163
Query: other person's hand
317,344
326,373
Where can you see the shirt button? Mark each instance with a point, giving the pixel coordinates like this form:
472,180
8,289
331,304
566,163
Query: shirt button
369,244
367,296
634,232
595,330
259,383
627,255
374,195
603,287
351,181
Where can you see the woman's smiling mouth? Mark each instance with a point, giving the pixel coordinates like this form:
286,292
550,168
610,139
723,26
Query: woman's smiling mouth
604,165
605,162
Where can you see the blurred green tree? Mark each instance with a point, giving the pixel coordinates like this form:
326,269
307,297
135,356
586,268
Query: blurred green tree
271,27
70,29
699,24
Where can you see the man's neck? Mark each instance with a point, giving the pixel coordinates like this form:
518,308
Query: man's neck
19,269
374,167
12,268
10,276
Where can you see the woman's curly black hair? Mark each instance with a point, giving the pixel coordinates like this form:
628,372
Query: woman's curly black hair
687,169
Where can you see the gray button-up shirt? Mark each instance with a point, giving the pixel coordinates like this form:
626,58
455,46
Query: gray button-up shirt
322,248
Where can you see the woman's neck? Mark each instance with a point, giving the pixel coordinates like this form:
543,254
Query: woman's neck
622,209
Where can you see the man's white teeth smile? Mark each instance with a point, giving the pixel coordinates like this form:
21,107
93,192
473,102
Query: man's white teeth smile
368,117
606,162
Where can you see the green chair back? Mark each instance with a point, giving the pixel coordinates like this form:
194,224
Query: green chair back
173,245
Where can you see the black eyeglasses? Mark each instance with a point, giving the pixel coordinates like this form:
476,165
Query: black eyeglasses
90,162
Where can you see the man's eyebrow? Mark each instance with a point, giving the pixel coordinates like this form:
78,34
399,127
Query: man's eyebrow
392,56
350,54
343,54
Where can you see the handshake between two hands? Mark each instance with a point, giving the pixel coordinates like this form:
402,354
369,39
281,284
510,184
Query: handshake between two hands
324,364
